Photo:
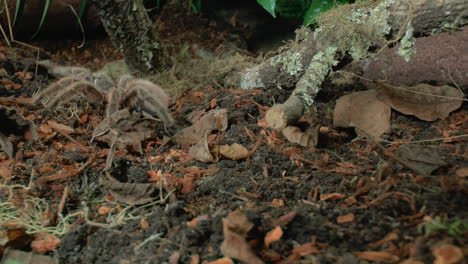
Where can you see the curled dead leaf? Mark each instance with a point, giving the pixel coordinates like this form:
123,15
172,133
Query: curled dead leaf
235,151
235,228
201,151
129,193
125,129
363,111
213,120
426,102
424,159
308,138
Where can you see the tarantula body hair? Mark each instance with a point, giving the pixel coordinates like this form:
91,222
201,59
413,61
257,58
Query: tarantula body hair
146,96
113,102
64,93
59,71
131,92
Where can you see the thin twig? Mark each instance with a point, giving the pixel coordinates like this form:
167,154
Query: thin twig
63,200
5,36
390,154
404,89
74,172
425,140
19,42
81,146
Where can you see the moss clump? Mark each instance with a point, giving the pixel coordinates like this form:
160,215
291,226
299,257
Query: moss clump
407,44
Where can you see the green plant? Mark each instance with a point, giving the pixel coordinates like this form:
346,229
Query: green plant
438,225
20,5
308,10
193,5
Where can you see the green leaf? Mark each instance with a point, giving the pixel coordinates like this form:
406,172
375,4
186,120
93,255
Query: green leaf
44,14
18,11
83,6
320,6
269,6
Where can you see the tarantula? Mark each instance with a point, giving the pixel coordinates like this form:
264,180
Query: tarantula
139,94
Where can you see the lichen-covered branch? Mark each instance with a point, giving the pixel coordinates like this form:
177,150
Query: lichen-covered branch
131,31
347,30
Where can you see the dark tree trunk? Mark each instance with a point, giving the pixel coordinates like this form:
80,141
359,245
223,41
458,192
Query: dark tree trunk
131,31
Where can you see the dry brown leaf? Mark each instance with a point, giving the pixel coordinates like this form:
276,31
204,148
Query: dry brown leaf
21,125
377,256
308,138
235,151
194,116
273,235
362,110
425,104
6,145
425,159
126,129
235,228
129,193
213,120
200,151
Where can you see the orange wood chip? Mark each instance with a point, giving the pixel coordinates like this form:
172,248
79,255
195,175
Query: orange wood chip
221,261
345,218
331,196
377,256
103,210
304,250
273,235
144,224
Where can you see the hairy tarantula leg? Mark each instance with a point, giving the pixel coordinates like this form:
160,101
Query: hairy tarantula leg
159,111
146,96
113,102
154,107
59,71
70,91
53,88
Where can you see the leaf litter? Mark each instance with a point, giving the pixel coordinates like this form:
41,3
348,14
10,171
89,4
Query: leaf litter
336,199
